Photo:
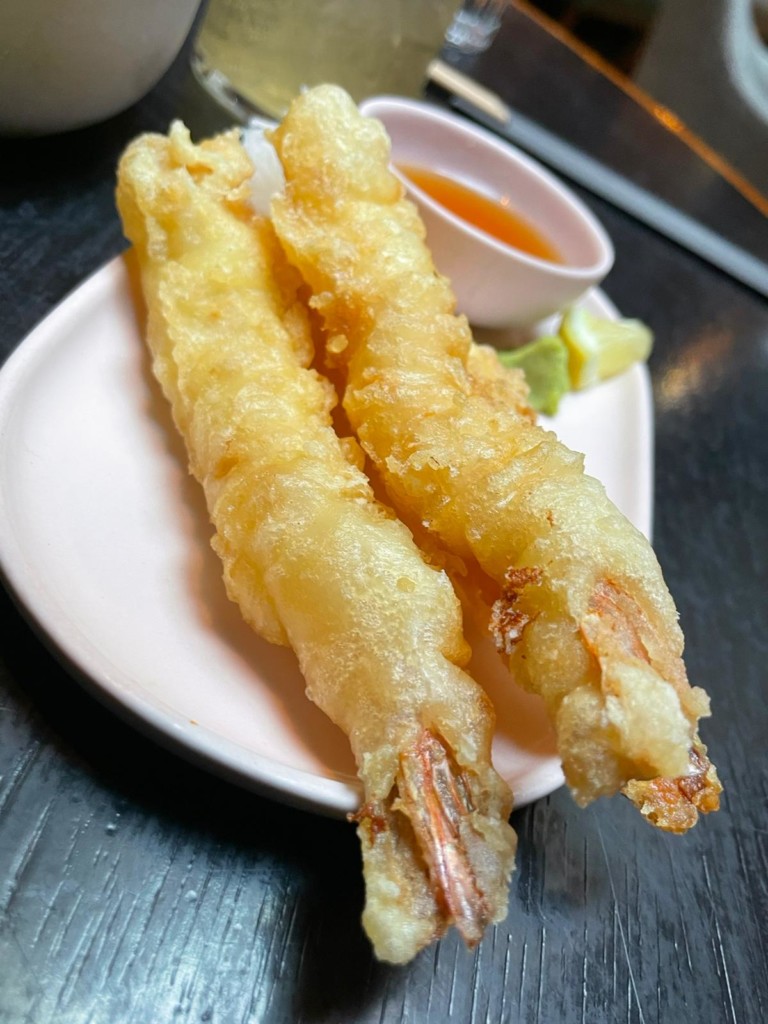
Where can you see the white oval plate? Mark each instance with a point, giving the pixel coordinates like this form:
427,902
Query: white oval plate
104,541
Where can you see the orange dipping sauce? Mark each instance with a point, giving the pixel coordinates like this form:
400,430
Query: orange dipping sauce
492,216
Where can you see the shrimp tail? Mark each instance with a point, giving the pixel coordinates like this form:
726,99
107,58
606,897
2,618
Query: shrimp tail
674,805
437,800
457,863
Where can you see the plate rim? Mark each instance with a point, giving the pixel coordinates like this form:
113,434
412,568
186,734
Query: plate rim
331,794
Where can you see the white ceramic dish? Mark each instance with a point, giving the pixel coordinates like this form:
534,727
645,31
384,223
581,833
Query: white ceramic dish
104,541
66,65
495,285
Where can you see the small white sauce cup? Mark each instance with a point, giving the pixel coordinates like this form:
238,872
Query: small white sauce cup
496,285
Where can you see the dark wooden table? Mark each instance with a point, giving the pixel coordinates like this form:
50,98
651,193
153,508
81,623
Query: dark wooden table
135,887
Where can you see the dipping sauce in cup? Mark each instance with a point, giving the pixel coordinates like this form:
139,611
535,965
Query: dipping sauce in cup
498,283
494,216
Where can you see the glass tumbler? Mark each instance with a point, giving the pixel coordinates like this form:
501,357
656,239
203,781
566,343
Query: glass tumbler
475,25
254,56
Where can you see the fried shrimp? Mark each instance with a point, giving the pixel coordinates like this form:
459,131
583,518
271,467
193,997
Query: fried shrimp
577,599
309,556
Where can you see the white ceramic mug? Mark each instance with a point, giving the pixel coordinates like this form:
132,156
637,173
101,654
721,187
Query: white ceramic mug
69,63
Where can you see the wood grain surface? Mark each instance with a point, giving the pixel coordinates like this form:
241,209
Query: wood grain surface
135,887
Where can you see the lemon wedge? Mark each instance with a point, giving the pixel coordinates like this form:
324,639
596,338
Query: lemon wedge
599,348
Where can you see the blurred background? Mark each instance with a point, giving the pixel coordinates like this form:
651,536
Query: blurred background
620,29
616,29
706,61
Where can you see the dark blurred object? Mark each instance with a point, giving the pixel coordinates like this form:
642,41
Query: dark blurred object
706,61
615,29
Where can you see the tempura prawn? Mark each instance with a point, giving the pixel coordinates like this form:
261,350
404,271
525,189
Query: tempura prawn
579,605
312,560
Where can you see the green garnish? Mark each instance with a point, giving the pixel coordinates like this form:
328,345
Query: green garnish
545,365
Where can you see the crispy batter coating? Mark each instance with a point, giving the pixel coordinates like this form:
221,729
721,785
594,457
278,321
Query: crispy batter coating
673,805
579,602
309,556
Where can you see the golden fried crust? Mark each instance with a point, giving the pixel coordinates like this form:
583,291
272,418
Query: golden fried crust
597,636
507,621
308,554
674,805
